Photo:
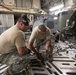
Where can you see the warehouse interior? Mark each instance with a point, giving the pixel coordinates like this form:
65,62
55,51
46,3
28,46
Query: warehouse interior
60,20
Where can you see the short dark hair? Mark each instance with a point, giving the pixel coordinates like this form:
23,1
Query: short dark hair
42,27
24,19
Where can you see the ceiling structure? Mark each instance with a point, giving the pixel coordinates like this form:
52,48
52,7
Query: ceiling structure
33,6
46,4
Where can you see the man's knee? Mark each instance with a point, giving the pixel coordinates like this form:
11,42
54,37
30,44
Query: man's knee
6,72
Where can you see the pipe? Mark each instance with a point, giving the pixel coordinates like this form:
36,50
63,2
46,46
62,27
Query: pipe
5,7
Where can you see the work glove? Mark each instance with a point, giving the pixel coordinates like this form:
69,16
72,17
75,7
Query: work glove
29,51
49,55
39,56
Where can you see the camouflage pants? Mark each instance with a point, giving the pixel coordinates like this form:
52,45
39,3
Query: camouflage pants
15,62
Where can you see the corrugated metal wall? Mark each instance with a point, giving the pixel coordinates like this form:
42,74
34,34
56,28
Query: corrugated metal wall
7,20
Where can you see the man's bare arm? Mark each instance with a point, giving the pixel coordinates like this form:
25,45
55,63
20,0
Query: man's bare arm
22,50
48,42
32,48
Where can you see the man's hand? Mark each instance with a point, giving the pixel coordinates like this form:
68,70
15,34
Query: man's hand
28,50
39,56
49,55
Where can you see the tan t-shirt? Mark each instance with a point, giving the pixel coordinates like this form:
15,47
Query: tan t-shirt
10,39
36,35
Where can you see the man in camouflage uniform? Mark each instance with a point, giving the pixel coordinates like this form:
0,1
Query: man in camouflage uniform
39,34
12,47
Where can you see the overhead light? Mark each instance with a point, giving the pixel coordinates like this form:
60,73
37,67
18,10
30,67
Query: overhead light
55,18
57,12
69,7
57,7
